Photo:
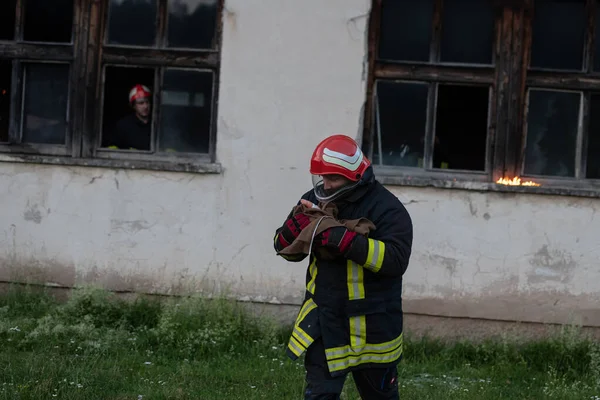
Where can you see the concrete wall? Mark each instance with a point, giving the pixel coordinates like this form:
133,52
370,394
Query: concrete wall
292,74
281,92
504,256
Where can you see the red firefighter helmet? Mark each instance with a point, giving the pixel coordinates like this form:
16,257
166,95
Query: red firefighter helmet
138,92
337,155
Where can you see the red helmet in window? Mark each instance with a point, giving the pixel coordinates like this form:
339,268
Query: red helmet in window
341,156
139,92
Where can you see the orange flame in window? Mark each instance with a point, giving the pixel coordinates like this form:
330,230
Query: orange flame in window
516,181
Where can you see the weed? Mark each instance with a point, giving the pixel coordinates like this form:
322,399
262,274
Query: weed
97,345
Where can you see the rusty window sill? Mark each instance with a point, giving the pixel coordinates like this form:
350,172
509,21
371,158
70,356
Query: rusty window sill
553,187
175,165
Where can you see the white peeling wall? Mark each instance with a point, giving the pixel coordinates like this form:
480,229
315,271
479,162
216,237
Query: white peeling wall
503,256
292,73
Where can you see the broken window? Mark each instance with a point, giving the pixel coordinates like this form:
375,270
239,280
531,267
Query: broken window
73,88
426,115
173,56
124,126
561,127
184,112
5,93
485,89
192,23
461,127
48,21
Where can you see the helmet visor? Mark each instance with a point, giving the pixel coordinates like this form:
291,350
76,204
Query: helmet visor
333,191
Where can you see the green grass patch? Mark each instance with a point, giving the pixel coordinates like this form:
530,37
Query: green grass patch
98,346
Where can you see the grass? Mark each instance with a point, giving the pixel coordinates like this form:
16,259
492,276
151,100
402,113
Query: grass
96,346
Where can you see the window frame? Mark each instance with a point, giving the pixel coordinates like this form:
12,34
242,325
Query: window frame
586,81
435,72
161,58
87,55
508,109
20,52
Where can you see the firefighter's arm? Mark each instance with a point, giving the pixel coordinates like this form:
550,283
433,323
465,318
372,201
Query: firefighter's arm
279,244
289,231
388,251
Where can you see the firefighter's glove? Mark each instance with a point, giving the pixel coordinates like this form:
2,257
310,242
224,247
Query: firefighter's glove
292,227
336,239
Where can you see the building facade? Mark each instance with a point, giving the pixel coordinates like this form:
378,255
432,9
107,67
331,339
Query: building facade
479,115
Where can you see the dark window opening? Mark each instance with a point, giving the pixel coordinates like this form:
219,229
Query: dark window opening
406,30
400,123
46,97
552,124
7,19
467,31
558,34
192,23
132,22
597,39
185,112
48,21
125,125
593,149
5,85
461,127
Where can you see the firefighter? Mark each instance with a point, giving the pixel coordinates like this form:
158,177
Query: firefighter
134,131
351,317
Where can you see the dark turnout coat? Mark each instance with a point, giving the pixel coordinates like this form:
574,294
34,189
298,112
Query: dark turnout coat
355,304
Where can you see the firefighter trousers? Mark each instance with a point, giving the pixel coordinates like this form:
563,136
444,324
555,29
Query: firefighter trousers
372,384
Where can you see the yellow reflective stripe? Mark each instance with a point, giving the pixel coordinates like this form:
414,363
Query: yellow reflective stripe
352,361
356,285
311,285
307,307
364,357
344,351
302,337
356,291
358,331
375,255
295,347
300,340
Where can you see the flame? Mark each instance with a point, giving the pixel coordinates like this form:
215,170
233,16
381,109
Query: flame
516,181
